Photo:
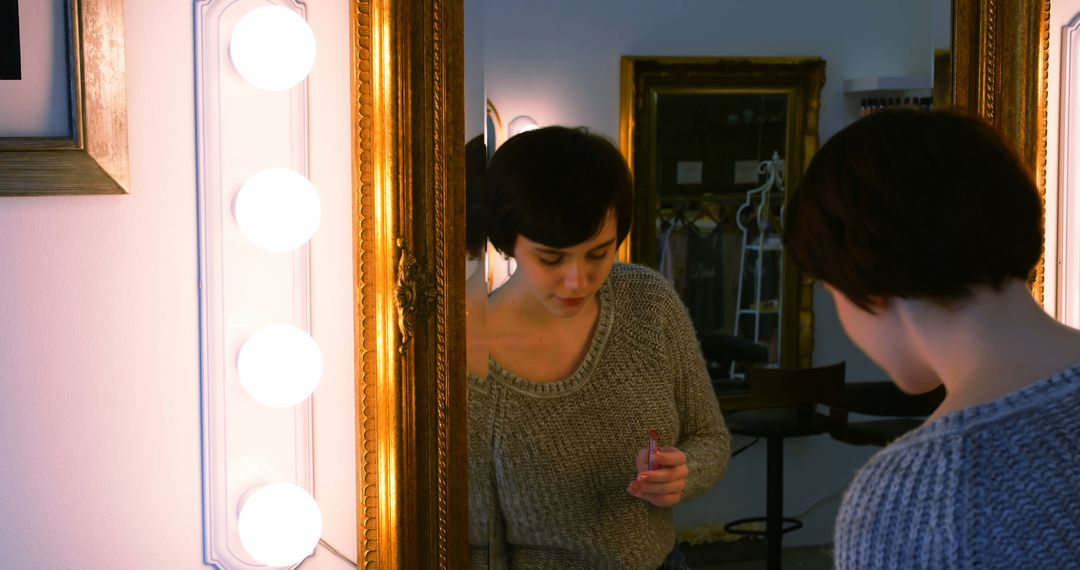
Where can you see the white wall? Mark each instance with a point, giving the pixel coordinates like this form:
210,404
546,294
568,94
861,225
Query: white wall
1062,13
558,61
474,68
99,361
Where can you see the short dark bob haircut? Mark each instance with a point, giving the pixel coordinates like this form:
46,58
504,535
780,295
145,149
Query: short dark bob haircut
555,186
915,204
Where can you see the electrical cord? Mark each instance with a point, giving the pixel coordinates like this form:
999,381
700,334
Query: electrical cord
335,552
820,502
745,447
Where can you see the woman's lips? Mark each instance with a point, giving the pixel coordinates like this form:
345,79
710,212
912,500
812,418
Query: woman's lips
571,302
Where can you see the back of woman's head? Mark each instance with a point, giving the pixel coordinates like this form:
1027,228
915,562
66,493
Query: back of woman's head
475,165
915,204
555,186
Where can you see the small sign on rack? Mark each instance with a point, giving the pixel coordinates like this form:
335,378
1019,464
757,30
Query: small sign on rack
746,172
688,172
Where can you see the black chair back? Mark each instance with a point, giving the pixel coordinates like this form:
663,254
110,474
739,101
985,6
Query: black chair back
789,386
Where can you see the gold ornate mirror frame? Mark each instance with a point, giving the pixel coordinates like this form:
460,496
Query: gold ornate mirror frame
1001,50
409,244
408,181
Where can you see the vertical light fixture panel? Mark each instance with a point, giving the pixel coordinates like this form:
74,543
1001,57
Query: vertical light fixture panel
243,130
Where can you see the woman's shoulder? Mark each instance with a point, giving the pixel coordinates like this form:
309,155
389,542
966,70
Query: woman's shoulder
636,275
633,283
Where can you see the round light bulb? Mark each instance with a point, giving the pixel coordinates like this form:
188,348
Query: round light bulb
521,124
280,524
280,365
278,209
272,47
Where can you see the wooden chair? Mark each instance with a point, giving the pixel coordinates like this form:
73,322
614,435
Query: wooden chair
790,398
896,412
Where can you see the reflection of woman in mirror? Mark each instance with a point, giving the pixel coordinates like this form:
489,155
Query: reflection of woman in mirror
587,356
924,227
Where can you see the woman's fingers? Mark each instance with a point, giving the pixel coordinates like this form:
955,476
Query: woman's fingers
661,488
642,460
659,499
663,485
665,474
669,457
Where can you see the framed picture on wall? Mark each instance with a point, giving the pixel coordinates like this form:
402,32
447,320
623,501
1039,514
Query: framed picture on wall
10,60
63,125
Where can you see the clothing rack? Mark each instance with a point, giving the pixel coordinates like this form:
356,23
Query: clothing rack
759,219
702,212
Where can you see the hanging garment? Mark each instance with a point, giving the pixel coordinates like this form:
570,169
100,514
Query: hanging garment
704,273
673,257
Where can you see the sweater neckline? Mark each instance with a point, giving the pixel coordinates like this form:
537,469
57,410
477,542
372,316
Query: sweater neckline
1046,389
582,373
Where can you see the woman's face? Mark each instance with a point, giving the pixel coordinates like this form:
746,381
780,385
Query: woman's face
883,336
564,280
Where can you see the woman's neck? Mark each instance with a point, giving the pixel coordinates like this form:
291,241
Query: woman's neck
994,344
516,303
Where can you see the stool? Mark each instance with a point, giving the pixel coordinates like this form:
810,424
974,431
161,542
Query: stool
792,396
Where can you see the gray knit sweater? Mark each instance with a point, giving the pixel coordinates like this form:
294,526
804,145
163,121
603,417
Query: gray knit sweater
549,463
991,486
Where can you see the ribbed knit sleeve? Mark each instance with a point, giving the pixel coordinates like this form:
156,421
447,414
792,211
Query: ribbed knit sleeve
991,486
704,439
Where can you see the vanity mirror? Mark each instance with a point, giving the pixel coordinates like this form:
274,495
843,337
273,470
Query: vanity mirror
409,201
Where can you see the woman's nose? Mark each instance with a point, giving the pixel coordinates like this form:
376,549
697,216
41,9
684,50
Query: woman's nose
575,276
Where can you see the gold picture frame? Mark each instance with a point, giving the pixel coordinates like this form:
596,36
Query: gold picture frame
93,159
407,70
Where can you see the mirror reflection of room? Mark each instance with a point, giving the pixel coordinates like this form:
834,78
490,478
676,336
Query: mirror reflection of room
718,151
717,144
714,141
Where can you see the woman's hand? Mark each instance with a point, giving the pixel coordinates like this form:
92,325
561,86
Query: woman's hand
663,485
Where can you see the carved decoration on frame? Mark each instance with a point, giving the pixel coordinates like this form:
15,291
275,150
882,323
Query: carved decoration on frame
408,201
417,293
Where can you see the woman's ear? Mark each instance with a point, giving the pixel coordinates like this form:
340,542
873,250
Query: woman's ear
878,303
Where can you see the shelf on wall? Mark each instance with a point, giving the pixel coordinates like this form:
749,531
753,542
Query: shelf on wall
887,83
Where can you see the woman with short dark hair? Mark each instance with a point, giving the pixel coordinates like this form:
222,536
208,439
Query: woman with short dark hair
925,227
587,356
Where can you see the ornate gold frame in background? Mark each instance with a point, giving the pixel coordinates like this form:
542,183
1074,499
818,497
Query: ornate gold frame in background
409,242
801,78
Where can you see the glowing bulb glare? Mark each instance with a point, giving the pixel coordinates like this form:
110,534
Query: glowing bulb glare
520,125
280,524
278,209
280,365
272,48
